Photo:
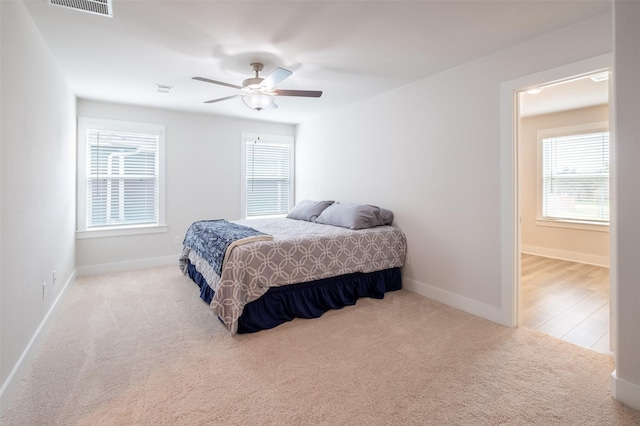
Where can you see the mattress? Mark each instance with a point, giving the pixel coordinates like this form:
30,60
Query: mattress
299,252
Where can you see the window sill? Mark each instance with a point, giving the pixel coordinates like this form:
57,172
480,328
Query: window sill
116,232
584,226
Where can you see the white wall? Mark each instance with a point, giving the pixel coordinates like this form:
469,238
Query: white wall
626,242
578,245
431,152
203,158
37,217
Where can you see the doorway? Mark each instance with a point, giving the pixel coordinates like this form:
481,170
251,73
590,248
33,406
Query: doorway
562,181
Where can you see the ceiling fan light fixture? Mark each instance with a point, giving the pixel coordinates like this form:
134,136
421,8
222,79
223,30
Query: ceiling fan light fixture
259,101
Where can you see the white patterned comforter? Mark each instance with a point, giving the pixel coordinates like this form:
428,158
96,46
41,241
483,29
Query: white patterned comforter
299,252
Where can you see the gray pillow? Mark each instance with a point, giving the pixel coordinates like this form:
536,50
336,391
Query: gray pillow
386,216
353,216
308,210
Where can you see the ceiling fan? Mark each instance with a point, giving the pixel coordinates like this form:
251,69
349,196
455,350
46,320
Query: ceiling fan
259,91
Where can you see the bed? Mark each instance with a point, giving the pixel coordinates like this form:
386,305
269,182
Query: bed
286,268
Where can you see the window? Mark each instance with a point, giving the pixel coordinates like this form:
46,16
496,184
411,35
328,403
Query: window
267,175
575,174
120,177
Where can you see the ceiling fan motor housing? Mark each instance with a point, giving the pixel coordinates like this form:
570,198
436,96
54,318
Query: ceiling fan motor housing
255,82
252,83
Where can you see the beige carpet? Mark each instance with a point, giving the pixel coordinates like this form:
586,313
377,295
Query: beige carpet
140,348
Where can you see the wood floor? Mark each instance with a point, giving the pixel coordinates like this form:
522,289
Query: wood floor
567,300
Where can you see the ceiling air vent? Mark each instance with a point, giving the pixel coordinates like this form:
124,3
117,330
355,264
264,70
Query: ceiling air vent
97,7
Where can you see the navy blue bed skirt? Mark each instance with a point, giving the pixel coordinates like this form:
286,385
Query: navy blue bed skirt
306,300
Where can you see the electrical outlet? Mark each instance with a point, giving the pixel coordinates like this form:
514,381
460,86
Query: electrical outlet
44,287
54,278
177,240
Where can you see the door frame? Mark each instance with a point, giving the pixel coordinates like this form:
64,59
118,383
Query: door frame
509,176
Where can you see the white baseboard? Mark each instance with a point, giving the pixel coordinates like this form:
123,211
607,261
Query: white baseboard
571,256
471,306
105,268
10,386
626,392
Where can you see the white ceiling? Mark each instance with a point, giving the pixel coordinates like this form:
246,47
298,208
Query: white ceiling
351,50
579,92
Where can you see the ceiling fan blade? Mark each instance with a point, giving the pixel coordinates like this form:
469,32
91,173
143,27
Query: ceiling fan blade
275,78
206,80
303,93
222,99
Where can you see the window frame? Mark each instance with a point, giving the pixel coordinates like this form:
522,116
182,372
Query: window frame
541,220
89,123
266,138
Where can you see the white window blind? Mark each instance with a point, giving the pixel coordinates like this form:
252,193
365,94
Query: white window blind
268,177
575,177
122,178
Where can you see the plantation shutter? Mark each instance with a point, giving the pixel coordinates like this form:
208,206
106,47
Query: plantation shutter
122,178
576,177
268,178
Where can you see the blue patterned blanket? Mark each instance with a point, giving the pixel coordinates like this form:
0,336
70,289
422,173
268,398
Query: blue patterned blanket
212,239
